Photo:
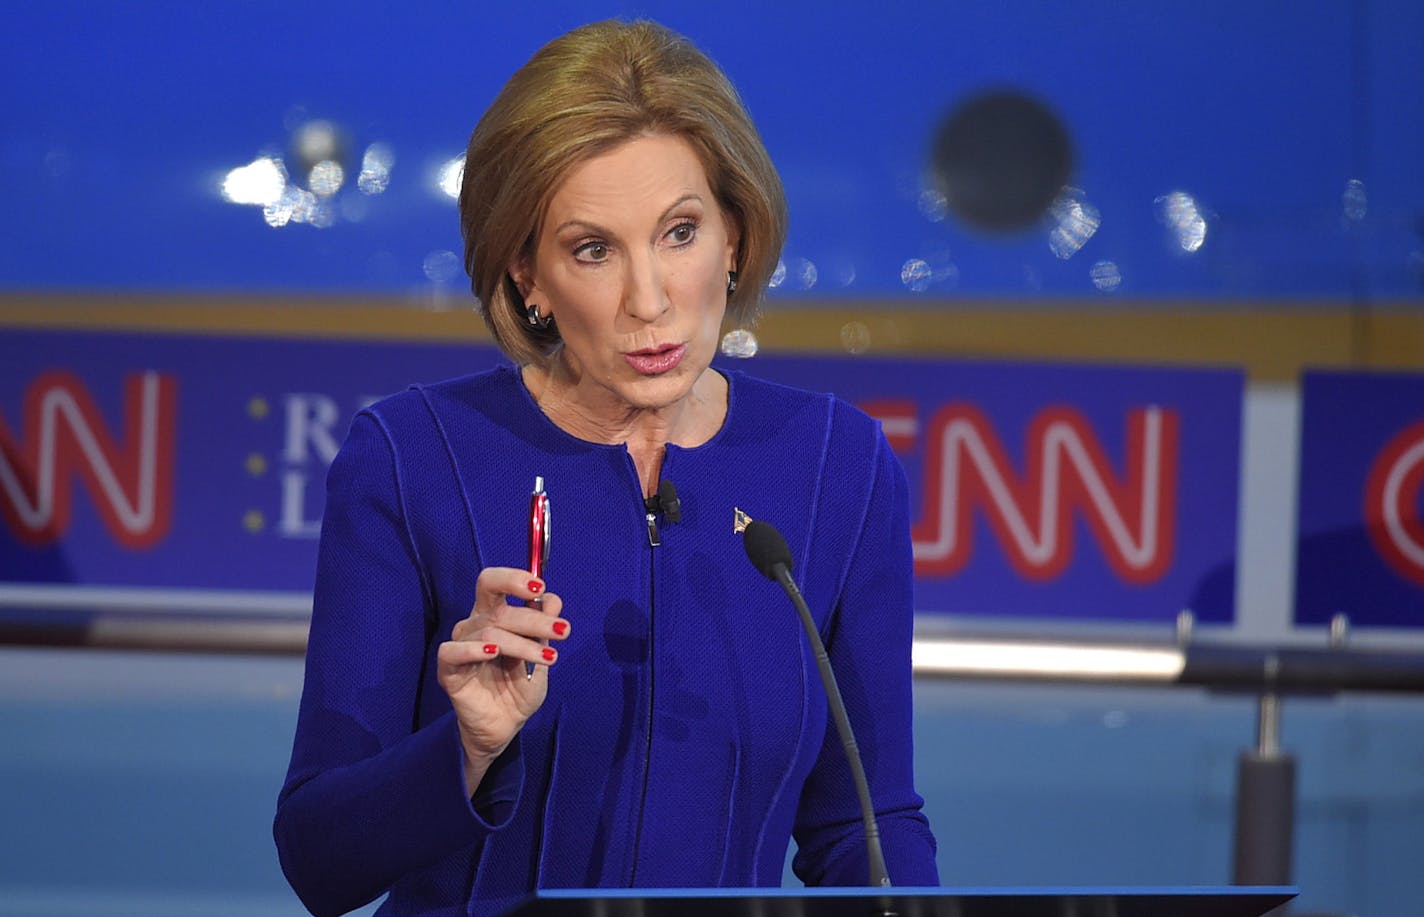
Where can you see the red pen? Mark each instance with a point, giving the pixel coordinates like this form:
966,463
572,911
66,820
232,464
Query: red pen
538,543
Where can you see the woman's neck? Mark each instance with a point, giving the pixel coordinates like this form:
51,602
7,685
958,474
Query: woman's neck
592,414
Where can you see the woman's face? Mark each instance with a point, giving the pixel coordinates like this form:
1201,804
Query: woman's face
632,263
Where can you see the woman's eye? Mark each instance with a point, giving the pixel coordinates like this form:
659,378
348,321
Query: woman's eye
683,233
592,252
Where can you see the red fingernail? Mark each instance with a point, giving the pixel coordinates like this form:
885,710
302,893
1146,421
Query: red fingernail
536,586
491,649
548,654
561,627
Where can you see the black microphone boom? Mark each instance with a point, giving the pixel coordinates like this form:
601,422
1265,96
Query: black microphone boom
769,554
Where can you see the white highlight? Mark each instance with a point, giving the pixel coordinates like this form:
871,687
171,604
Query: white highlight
124,598
968,657
260,182
451,177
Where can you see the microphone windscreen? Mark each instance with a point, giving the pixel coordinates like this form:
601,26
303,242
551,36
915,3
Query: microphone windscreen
667,498
766,548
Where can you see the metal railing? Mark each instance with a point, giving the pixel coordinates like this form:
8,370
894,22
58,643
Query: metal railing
1265,781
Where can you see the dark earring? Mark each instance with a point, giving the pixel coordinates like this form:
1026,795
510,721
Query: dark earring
731,281
531,314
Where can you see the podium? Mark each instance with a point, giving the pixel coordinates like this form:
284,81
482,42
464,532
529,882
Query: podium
1230,901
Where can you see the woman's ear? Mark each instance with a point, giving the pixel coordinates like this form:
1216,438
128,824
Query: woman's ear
519,273
734,239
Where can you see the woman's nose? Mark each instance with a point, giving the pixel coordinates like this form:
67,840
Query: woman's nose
645,295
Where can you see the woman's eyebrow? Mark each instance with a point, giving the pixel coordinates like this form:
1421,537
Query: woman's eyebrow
595,229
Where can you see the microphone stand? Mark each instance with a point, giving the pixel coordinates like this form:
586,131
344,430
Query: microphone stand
879,876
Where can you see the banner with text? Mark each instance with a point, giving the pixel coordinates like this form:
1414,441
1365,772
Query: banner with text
175,471
1361,536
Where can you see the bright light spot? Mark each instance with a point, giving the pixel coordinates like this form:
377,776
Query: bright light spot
297,205
806,273
326,178
919,274
1075,221
1178,211
855,337
260,182
1106,276
933,205
1058,661
376,165
317,141
739,342
778,276
441,266
915,274
451,176
1355,201
279,212
321,214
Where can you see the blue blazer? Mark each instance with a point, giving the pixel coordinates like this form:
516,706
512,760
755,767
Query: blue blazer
685,739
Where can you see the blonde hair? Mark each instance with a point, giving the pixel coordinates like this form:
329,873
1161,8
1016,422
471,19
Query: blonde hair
583,94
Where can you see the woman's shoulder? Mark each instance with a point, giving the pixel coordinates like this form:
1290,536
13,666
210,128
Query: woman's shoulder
421,402
824,415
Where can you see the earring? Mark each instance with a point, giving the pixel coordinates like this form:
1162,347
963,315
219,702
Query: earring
731,281
531,314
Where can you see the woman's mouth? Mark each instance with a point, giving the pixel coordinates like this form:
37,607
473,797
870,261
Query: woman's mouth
655,361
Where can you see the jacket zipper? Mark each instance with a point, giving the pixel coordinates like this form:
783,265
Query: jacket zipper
654,540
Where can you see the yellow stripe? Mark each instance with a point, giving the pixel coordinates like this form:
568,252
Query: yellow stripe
1273,341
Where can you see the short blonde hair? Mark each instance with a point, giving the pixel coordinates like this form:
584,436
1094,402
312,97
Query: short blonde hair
581,95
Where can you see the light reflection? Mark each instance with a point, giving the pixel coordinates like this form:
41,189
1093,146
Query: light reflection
320,213
277,214
915,274
317,141
1179,212
804,272
937,270
1075,221
855,337
376,164
933,205
260,182
326,178
975,657
441,266
1106,276
739,342
297,205
1355,201
778,276
450,176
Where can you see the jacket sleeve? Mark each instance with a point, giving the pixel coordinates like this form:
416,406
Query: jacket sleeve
368,797
869,639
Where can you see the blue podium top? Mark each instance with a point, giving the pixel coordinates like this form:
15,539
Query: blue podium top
1118,901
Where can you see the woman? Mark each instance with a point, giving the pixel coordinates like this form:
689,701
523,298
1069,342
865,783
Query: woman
617,207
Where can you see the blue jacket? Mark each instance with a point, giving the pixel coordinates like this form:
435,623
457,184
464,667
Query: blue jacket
685,738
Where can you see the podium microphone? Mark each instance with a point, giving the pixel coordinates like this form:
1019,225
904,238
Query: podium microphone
769,554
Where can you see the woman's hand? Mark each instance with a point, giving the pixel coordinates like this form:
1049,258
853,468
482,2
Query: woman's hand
483,664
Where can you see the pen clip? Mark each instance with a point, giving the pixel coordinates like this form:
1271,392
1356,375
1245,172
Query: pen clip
543,522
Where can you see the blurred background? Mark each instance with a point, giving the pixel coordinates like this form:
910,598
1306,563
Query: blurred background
1213,185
